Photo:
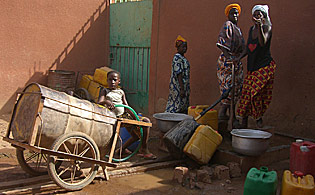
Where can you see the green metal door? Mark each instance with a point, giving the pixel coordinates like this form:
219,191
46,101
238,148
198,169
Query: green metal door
130,37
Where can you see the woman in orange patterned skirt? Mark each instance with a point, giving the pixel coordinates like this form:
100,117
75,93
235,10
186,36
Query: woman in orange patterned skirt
258,84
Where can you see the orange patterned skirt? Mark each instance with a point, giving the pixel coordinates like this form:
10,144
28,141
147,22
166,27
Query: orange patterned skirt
257,92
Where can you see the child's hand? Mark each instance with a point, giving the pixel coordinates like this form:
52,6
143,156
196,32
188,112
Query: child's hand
109,105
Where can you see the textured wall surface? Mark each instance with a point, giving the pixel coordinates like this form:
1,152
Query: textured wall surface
292,109
40,35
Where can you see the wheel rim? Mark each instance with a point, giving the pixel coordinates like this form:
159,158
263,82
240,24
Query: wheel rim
32,162
74,172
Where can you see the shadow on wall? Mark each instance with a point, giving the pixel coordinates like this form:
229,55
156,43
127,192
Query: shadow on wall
87,50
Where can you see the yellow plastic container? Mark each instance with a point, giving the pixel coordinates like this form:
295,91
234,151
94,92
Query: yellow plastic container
85,81
202,144
94,90
210,118
295,184
100,75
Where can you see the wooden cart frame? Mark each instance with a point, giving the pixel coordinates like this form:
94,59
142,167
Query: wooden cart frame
73,157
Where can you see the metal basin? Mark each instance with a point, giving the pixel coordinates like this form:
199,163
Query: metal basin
250,142
166,120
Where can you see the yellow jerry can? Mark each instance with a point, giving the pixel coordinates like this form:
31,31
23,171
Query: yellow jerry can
100,75
85,81
94,90
297,184
210,118
202,144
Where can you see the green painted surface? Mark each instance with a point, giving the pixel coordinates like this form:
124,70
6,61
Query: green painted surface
130,37
131,23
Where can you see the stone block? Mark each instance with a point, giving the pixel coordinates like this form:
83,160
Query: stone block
210,170
235,169
180,173
203,176
222,172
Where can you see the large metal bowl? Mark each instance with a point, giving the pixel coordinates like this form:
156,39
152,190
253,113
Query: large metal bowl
250,142
166,121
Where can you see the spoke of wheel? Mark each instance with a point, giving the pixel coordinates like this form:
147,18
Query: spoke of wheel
31,157
63,171
84,151
73,174
67,149
45,157
76,147
38,161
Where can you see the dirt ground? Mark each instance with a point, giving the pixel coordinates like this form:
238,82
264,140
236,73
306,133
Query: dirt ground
152,182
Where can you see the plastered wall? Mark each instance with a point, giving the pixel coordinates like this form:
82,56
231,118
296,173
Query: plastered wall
292,110
39,35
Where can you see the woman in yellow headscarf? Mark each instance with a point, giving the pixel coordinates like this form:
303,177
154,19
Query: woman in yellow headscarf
179,88
232,45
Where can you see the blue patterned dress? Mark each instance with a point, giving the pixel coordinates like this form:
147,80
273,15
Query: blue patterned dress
175,103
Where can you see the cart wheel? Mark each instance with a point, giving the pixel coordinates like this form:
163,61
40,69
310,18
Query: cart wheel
31,162
73,174
82,94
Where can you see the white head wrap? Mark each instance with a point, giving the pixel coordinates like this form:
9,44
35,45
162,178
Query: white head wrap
265,9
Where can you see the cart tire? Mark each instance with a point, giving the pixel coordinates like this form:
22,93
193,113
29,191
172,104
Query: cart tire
70,175
83,94
31,162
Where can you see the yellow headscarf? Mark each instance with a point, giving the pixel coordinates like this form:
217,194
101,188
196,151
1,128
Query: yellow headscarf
179,40
231,6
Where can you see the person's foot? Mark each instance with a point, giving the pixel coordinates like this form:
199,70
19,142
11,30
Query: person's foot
148,156
259,123
237,125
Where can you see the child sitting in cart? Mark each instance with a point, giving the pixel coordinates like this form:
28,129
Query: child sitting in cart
113,95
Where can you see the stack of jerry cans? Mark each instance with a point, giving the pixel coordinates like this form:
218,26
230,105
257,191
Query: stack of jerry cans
261,182
202,144
85,81
99,81
297,184
210,118
100,75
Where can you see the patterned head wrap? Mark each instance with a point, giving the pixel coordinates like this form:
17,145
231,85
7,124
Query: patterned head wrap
231,6
179,40
265,10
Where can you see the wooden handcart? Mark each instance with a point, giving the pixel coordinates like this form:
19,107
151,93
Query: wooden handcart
65,135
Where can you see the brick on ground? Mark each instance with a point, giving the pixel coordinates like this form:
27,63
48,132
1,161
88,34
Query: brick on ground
235,169
210,170
222,172
180,173
203,176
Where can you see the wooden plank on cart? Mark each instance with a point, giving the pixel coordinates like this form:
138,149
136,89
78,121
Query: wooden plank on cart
134,122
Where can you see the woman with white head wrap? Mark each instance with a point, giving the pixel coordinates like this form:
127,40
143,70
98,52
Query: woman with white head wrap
258,84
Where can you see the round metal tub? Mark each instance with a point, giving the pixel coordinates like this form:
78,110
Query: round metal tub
250,142
166,120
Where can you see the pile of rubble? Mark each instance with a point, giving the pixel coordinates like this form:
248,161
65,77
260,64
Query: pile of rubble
202,177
